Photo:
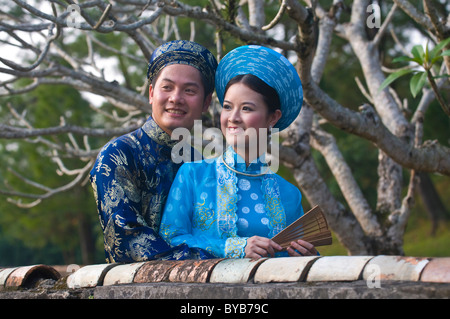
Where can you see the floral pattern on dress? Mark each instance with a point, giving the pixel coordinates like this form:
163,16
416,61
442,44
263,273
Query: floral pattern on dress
131,180
204,204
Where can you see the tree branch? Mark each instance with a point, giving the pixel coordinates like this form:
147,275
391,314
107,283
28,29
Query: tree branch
429,157
277,18
414,14
49,191
176,8
326,144
12,132
382,31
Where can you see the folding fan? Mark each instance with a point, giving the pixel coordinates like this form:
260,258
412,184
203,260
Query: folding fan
311,227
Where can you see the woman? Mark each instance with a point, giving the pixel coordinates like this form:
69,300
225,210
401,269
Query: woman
233,205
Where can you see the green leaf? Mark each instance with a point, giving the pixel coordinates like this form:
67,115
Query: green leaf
419,61
417,82
438,48
444,53
417,52
402,59
394,76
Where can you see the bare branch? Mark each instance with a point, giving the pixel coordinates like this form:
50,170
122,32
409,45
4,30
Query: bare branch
412,11
49,191
11,132
28,181
439,23
381,32
368,125
177,8
256,13
103,17
326,144
326,28
51,37
277,18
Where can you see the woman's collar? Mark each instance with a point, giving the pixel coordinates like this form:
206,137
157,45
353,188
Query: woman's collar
235,160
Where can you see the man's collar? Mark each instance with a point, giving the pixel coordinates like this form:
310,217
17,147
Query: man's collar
157,134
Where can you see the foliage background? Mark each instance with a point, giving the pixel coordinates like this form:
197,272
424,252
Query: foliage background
51,232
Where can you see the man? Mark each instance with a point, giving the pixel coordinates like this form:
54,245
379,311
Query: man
133,173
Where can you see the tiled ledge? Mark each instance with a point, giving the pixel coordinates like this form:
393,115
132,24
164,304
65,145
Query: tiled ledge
27,276
266,270
373,270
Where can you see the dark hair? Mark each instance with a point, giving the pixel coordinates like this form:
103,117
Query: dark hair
269,94
206,87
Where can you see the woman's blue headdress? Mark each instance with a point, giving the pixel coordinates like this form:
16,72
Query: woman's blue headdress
271,67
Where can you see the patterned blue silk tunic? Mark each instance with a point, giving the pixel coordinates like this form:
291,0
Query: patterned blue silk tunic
215,209
131,180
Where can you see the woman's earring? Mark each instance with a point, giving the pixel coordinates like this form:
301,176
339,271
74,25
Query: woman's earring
269,138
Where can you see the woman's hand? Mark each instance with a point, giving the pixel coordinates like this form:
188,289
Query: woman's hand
305,249
258,247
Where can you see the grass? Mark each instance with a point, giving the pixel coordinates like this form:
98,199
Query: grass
419,242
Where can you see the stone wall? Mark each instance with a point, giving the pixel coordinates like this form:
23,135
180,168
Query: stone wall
328,277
